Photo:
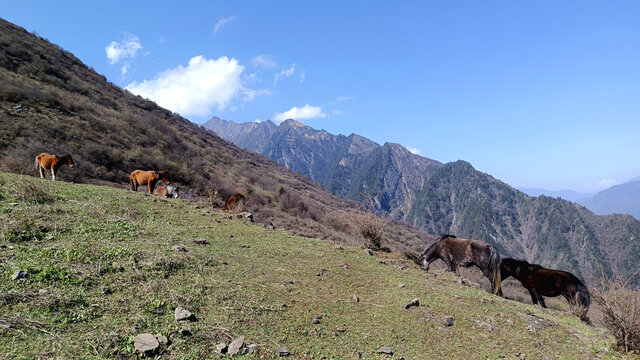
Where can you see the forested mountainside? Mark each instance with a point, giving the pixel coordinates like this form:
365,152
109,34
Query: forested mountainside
451,198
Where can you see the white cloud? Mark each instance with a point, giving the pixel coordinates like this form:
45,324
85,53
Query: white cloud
413,150
124,49
125,69
300,114
337,112
198,88
263,61
222,22
344,98
284,74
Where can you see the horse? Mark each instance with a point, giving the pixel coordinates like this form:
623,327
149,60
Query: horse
541,281
149,178
53,162
465,252
167,191
233,202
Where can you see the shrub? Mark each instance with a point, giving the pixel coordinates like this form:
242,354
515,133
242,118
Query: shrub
621,311
372,228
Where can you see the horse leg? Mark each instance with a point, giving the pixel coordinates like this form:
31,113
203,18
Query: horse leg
534,296
41,168
53,173
449,264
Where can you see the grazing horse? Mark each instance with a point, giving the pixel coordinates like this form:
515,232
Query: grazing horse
233,202
541,281
465,252
149,178
53,162
167,191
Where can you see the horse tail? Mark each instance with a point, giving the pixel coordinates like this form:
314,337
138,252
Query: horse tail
582,296
37,164
494,264
131,182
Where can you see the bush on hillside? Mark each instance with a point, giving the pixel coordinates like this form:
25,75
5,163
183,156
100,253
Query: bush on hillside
621,311
372,228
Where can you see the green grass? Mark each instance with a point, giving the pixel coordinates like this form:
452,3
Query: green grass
265,285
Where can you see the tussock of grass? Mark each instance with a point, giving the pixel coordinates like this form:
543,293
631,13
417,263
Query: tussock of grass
109,272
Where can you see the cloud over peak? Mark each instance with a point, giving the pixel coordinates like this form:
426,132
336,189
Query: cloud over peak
198,88
306,112
222,22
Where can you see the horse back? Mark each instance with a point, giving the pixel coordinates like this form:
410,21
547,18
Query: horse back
45,160
142,177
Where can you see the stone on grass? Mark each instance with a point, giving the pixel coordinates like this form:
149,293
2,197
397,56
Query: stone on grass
368,252
180,248
145,344
221,348
182,314
449,320
282,351
354,298
250,349
316,319
201,241
235,346
384,350
19,275
412,303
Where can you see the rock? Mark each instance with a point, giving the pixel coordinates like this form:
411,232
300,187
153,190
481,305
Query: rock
18,108
105,290
354,298
221,348
117,267
384,350
270,226
412,303
250,349
448,320
484,325
368,252
162,339
246,215
235,346
182,314
535,323
400,286
338,247
201,241
19,275
145,344
316,319
282,351
186,330
180,248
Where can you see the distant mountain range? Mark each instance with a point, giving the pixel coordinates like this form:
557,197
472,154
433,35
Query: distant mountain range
618,199
447,198
569,195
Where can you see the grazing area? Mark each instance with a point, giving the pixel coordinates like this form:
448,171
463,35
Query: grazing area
86,270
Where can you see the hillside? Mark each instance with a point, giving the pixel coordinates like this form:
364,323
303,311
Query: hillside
453,198
618,199
51,102
104,265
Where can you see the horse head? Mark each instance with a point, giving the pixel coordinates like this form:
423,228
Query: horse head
163,176
69,161
427,256
512,267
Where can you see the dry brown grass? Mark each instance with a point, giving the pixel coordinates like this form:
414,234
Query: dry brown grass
620,311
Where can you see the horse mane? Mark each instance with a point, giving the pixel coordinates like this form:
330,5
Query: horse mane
444,236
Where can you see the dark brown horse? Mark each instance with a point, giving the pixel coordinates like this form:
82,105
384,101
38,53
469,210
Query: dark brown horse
149,178
52,162
234,202
541,281
465,252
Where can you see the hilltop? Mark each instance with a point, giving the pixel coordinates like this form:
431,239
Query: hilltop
104,265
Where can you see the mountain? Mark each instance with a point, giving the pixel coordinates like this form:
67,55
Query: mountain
386,177
454,198
618,199
51,102
569,195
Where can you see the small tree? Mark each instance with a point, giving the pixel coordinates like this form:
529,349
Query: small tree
621,311
372,229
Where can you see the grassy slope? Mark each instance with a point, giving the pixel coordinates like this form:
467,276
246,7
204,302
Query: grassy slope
265,285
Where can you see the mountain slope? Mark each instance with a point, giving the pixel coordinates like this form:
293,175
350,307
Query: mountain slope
569,195
113,268
51,102
455,198
619,199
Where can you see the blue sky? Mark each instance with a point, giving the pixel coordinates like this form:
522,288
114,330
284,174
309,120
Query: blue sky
543,94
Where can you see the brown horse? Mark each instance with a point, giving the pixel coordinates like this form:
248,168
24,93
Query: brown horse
465,252
234,202
541,281
53,162
149,178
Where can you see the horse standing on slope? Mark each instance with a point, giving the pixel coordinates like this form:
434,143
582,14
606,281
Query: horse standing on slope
234,202
465,252
52,162
149,178
541,281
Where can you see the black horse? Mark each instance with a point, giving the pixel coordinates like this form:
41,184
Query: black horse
541,281
464,252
